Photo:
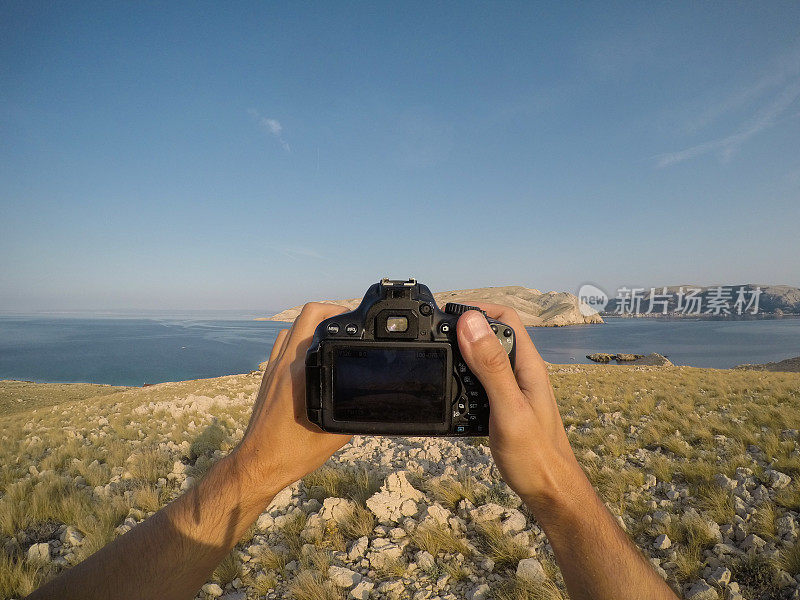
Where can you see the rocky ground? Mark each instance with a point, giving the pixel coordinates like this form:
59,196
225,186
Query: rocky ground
701,467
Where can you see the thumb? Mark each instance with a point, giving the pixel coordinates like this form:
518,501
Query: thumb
486,357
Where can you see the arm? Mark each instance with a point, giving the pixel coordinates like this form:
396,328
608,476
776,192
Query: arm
173,552
532,452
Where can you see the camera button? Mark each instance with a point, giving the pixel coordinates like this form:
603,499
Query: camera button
444,327
462,367
333,328
351,329
461,407
507,332
468,380
425,309
494,327
461,428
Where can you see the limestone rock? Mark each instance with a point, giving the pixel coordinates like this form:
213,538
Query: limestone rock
343,578
662,542
213,589
531,569
362,590
39,553
702,591
336,509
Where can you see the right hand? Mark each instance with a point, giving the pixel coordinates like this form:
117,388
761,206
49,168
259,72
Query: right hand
526,434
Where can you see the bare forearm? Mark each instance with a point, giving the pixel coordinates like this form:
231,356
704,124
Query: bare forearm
596,557
172,553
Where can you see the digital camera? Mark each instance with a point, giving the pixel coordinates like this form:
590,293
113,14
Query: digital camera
392,367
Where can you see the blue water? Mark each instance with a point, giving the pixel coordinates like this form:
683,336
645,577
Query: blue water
134,351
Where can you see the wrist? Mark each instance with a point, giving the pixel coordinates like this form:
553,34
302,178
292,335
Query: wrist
564,492
255,473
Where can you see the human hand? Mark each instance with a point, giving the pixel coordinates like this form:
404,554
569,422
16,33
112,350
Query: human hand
281,445
526,434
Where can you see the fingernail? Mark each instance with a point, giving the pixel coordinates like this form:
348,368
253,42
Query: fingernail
476,326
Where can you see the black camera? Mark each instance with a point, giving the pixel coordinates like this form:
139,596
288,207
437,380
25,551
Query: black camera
392,367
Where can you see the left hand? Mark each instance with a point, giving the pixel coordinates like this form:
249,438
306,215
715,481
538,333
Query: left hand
281,445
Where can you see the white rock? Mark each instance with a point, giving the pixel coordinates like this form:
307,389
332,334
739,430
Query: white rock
753,541
282,499
487,512
424,560
39,553
480,592
514,522
362,590
343,578
531,569
662,542
701,591
187,483
358,549
264,522
213,589
337,509
438,513
721,577
72,536
779,480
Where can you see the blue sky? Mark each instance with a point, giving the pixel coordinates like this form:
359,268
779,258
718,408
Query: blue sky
255,155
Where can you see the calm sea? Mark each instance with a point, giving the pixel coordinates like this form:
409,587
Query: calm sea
134,351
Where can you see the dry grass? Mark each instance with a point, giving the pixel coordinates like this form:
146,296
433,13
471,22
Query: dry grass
499,546
675,414
439,538
522,589
333,482
310,585
358,523
229,569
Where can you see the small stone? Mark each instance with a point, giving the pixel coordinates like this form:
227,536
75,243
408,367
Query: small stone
424,560
358,549
662,542
701,591
779,480
753,541
343,578
264,522
721,577
480,592
72,536
514,522
531,569
39,553
362,590
337,509
213,589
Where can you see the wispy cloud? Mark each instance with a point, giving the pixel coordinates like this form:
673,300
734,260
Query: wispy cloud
271,126
300,252
765,118
784,75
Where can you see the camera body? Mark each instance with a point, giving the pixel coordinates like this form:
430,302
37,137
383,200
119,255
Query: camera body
392,367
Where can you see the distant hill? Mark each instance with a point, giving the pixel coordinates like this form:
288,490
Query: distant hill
774,300
536,309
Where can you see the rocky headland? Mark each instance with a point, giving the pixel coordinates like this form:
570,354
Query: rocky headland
536,309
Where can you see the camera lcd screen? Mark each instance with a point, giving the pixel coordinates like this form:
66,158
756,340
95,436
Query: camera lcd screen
403,385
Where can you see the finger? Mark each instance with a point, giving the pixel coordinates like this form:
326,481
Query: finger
529,366
487,358
313,314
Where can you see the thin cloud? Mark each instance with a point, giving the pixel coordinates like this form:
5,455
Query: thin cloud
729,145
300,252
782,75
271,126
